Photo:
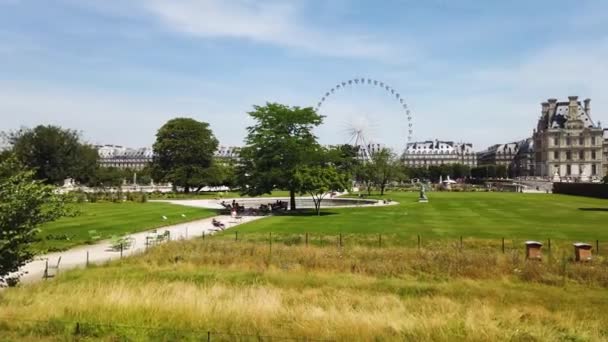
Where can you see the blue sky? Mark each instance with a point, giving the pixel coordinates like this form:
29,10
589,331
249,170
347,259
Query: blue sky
472,71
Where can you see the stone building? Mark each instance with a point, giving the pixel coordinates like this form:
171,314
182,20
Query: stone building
605,152
227,153
436,152
568,144
124,157
136,159
499,154
523,162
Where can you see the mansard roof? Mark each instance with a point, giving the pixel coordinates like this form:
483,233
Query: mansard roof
559,116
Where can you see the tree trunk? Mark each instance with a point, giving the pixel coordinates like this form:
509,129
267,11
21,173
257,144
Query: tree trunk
382,187
317,202
186,189
292,200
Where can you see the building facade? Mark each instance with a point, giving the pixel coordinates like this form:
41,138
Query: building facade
436,152
523,162
568,144
499,154
227,153
605,148
124,157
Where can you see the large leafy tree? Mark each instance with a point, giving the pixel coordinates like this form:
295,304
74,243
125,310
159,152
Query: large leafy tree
279,143
54,153
25,203
184,151
320,180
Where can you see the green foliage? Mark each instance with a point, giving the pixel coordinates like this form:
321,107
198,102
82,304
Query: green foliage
318,180
382,169
25,204
54,153
279,143
184,151
485,171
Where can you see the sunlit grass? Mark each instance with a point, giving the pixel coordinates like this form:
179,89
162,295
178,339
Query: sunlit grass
351,293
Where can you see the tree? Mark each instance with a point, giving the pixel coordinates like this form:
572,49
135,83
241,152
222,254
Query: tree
385,168
501,171
183,151
54,153
318,181
278,144
25,204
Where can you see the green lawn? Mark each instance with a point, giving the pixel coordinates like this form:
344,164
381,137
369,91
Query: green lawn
479,215
113,219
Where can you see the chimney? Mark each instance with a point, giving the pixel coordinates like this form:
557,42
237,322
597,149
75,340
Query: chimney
552,105
544,108
572,107
587,103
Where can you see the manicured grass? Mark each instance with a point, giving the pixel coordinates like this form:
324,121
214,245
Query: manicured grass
113,219
480,215
181,290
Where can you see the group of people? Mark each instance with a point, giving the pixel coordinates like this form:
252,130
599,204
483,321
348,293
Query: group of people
278,205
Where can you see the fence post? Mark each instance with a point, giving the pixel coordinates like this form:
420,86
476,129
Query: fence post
549,245
87,258
203,235
121,250
340,239
208,336
270,242
46,270
236,235
77,330
306,239
597,247
503,245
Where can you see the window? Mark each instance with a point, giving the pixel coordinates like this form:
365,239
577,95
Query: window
581,155
593,170
556,141
581,141
568,142
568,170
592,140
555,155
568,155
593,155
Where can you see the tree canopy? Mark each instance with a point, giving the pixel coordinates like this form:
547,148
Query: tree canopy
184,151
318,181
25,203
53,153
279,143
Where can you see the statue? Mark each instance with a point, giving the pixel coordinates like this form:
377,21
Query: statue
422,198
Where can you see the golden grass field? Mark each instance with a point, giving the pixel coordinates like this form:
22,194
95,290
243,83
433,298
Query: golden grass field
181,290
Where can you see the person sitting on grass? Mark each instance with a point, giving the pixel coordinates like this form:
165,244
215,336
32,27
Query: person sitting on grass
218,224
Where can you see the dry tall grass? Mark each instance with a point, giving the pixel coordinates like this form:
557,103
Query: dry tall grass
355,293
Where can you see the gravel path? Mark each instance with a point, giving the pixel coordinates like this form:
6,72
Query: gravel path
102,252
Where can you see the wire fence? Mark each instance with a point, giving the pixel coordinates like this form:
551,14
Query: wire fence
419,241
75,330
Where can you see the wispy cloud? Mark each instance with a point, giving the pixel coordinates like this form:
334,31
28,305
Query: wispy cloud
277,23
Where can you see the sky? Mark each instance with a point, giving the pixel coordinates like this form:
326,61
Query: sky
469,71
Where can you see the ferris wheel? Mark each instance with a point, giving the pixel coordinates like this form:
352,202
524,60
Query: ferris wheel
357,134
